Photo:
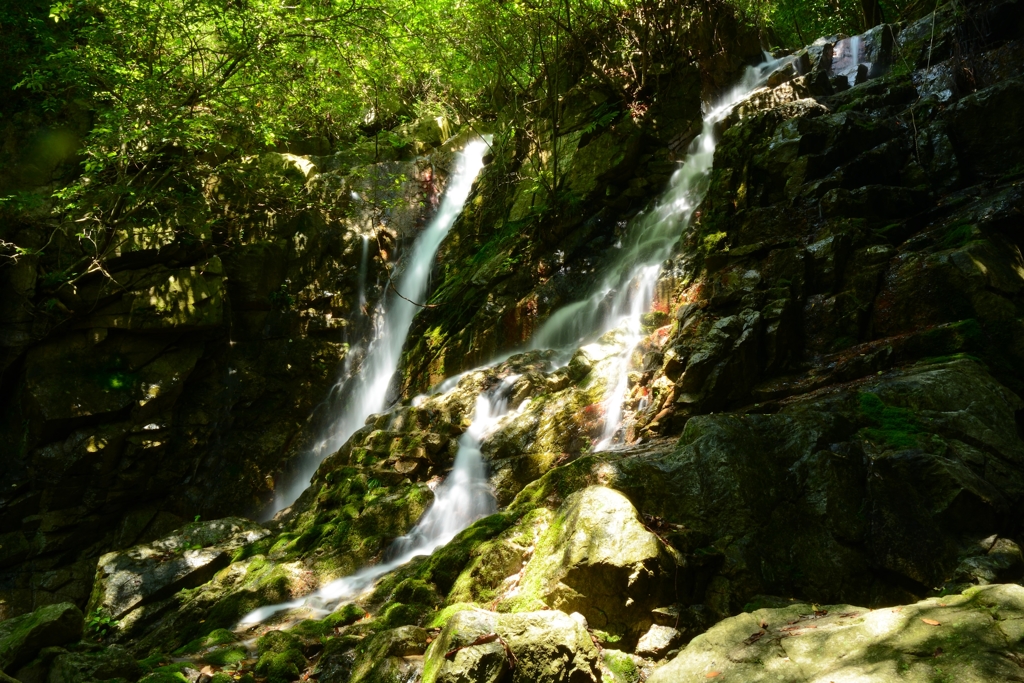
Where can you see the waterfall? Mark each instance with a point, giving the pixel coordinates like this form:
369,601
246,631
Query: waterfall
624,295
365,392
363,260
460,500
627,290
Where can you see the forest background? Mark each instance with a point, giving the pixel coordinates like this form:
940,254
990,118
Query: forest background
174,92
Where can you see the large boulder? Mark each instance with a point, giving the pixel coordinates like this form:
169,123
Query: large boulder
187,558
875,491
968,638
21,638
391,656
597,558
529,647
988,126
107,664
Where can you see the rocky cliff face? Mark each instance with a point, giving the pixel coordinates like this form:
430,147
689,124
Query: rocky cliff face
825,408
181,380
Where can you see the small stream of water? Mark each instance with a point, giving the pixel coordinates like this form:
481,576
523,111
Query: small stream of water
627,290
365,392
460,500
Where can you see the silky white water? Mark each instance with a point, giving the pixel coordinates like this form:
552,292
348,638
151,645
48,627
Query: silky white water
460,500
626,293
368,394
628,287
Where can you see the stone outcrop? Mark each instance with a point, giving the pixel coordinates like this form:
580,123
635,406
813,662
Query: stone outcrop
973,637
186,559
182,379
597,558
826,408
21,638
546,647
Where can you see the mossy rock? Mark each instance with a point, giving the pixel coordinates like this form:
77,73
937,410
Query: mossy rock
975,637
384,658
280,657
619,667
24,636
225,656
220,636
345,615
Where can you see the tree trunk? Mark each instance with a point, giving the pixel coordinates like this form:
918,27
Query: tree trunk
872,13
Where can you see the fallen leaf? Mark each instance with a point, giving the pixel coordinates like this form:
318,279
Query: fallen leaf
207,670
931,622
764,624
754,637
897,609
713,674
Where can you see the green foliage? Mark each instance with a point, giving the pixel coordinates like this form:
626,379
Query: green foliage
795,23
891,426
99,624
602,117
282,298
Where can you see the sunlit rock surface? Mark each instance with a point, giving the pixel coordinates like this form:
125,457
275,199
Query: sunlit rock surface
974,637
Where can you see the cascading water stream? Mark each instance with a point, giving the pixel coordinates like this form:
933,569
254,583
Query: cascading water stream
368,388
460,500
364,257
627,290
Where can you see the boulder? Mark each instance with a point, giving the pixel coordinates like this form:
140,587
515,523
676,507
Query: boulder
657,641
987,127
280,657
896,477
533,647
21,638
598,559
391,656
109,663
968,638
187,558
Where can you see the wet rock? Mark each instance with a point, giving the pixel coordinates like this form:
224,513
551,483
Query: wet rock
960,636
21,638
147,573
548,647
